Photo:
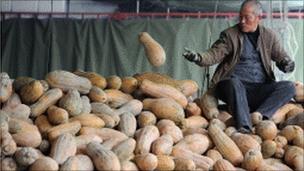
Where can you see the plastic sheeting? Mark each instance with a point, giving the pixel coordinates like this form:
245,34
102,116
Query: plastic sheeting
32,47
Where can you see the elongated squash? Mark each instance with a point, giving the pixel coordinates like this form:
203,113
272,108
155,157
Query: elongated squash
223,165
184,164
192,109
197,143
66,80
146,161
109,136
162,145
252,159
214,154
103,158
147,136
124,150
57,115
165,108
134,106
146,118
225,145
245,142
280,115
31,92
117,98
44,163
48,99
6,87
195,122
208,103
70,127
89,120
165,162
63,147
8,163
166,126
299,91
78,162
43,125
26,156
83,140
96,79
163,90
71,102
113,82
127,124
154,51
200,161
129,85
96,94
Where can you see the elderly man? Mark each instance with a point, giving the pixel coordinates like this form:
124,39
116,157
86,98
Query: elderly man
244,78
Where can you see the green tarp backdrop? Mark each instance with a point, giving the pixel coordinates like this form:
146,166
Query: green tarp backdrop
33,47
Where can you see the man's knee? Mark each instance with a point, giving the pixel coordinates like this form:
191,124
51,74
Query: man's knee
287,87
233,83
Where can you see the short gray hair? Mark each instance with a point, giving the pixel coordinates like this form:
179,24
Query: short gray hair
258,6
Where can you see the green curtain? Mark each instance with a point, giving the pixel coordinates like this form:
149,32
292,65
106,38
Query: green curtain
33,47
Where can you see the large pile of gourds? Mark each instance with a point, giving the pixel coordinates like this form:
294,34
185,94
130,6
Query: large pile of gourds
148,121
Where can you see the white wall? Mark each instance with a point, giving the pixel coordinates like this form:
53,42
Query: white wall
56,6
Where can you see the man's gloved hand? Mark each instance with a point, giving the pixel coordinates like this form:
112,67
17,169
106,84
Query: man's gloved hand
286,65
191,55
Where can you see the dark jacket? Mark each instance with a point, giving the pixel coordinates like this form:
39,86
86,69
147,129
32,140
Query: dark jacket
227,50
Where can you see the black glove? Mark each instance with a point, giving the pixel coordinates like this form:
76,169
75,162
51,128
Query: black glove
191,55
286,65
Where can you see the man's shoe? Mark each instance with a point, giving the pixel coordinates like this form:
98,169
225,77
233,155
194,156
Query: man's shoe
244,130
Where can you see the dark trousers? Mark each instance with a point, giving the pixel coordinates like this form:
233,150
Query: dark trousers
244,98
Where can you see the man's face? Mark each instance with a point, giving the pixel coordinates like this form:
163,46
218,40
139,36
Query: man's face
248,20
